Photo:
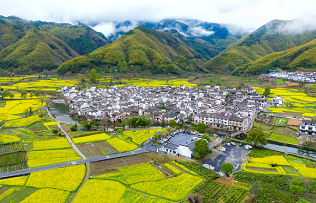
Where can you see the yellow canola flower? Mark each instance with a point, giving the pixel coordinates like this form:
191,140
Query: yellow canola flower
173,169
91,138
22,122
61,143
67,178
19,181
121,145
280,160
140,136
50,124
175,189
5,139
140,173
303,170
100,191
47,195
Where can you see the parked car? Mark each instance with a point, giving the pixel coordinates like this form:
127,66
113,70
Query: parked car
240,144
223,149
247,147
233,143
228,144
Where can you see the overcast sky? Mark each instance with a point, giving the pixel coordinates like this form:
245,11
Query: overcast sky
249,14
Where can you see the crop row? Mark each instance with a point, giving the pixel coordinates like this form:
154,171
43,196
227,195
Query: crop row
175,189
14,158
91,138
217,192
12,147
131,196
61,143
19,195
21,166
47,195
184,168
172,169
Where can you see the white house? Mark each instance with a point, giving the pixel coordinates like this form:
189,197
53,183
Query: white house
278,101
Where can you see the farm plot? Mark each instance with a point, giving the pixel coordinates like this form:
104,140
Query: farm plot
131,196
280,121
212,191
5,139
94,191
120,145
17,181
262,126
38,126
141,173
13,161
66,178
91,138
47,195
22,122
53,123
173,189
19,194
140,136
96,149
48,157
111,164
172,169
283,138
61,143
116,176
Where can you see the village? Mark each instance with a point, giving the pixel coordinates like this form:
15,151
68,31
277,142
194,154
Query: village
228,109
308,77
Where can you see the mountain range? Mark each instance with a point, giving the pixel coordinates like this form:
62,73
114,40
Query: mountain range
170,46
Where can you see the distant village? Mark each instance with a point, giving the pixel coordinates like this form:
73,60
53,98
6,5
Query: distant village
227,109
308,77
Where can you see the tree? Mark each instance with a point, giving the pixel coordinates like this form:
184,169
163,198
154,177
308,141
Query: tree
172,123
128,122
74,127
26,111
123,66
36,93
23,95
301,83
31,95
206,137
93,78
296,187
30,110
163,107
156,137
197,155
87,125
11,96
227,168
163,123
177,127
266,92
201,147
201,127
256,137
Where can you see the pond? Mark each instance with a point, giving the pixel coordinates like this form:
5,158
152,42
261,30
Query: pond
59,107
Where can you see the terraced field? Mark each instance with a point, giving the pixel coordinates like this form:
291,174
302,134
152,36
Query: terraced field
97,149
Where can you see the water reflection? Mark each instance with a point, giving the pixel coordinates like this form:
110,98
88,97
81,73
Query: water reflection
60,109
302,152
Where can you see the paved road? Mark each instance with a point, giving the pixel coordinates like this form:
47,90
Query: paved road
216,142
146,148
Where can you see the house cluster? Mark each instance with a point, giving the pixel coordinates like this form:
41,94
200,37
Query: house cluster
308,77
229,108
308,128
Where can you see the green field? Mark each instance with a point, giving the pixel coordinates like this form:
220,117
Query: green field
283,138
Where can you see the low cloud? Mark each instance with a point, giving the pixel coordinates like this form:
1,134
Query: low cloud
200,32
107,28
298,26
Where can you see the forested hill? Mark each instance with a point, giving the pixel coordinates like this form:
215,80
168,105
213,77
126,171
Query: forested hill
144,49
36,51
303,56
82,39
264,41
34,46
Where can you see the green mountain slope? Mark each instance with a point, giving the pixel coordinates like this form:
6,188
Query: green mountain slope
145,49
36,51
302,56
82,39
264,41
9,34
